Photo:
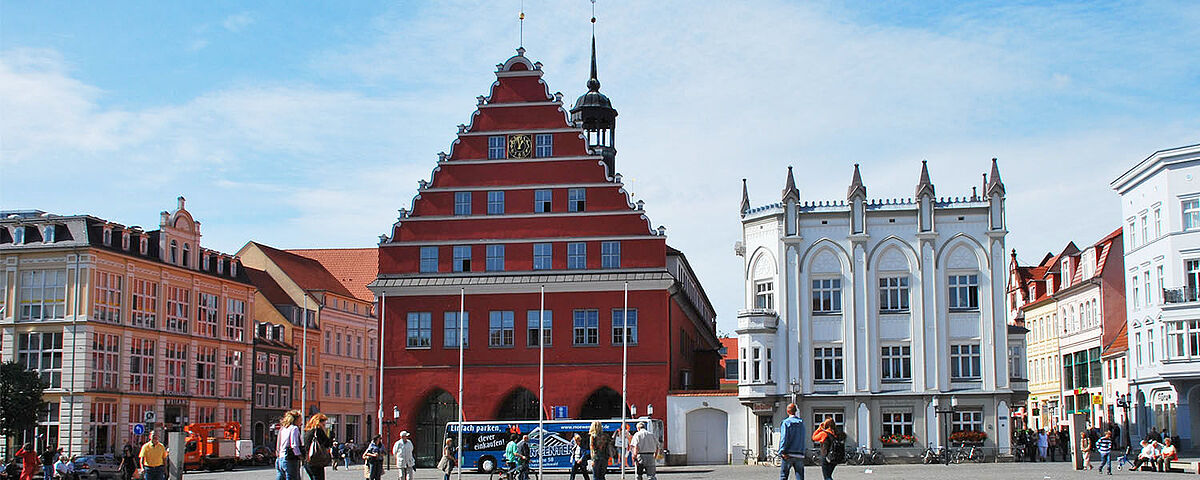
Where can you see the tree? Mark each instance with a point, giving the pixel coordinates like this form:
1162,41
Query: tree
21,390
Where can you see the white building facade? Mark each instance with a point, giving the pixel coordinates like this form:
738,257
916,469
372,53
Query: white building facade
881,314
1160,208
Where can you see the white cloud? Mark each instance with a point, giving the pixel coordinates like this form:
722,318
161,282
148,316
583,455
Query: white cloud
237,22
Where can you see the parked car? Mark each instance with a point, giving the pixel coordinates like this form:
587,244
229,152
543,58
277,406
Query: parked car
97,467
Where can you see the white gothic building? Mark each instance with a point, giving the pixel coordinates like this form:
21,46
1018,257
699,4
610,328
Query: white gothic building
886,314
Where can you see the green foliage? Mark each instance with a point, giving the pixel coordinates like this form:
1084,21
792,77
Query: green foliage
22,393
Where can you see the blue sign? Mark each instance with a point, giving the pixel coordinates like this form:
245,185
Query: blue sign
139,429
560,412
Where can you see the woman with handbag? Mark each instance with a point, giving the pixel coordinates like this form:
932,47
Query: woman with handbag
446,464
602,450
316,447
289,449
373,458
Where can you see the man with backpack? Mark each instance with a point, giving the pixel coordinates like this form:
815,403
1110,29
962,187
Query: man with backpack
791,444
833,446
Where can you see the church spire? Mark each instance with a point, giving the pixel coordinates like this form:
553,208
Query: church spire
856,185
924,185
745,199
994,183
790,192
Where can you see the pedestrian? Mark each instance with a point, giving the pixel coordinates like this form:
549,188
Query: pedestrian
1085,446
49,455
316,446
128,463
29,462
602,450
510,452
348,451
153,457
645,450
64,468
832,446
1147,457
12,470
336,452
446,464
791,444
1043,444
373,458
1104,448
289,449
1167,455
523,455
402,450
578,459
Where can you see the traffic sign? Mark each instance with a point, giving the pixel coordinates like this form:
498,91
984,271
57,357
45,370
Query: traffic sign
139,429
560,411
149,416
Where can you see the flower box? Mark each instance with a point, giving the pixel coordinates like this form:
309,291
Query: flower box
968,437
898,440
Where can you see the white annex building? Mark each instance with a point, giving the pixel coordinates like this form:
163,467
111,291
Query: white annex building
886,314
1160,208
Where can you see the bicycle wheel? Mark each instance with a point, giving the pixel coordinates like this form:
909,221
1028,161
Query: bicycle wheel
776,460
977,455
877,458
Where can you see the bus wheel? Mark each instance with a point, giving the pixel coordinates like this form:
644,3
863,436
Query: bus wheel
487,465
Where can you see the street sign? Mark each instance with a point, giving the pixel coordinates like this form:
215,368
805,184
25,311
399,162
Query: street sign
149,416
560,411
139,429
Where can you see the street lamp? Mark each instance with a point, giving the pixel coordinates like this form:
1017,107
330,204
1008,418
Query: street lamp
947,411
1123,404
388,449
794,388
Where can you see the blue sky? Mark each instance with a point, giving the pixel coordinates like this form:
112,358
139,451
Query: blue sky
307,124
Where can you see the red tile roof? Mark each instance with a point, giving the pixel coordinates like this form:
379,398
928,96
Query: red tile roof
1119,344
309,274
353,267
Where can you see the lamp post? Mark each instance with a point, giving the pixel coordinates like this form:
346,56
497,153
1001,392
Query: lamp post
794,388
945,411
1123,404
388,448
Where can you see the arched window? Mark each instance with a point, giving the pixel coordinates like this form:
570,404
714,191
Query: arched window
603,403
18,235
521,404
438,409
107,237
1096,312
186,255
49,236
174,252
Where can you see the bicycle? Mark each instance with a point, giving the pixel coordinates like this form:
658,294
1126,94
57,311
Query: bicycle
964,453
772,458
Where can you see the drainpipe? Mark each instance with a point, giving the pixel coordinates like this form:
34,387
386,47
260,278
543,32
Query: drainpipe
74,349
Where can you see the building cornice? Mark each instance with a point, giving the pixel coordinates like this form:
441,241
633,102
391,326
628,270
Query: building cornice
522,215
482,241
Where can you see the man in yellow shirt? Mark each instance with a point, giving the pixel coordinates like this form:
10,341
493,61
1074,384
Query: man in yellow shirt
153,458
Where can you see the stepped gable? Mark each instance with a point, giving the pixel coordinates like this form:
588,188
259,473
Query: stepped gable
519,104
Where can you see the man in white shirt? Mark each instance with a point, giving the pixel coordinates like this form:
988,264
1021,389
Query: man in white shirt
645,448
64,468
403,451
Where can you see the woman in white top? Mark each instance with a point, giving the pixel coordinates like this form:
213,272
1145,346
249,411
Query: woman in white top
288,447
403,451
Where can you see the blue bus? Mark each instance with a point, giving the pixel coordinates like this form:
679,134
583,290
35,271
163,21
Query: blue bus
484,442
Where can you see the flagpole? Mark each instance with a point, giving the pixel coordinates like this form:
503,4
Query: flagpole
541,379
382,330
624,375
462,302
304,356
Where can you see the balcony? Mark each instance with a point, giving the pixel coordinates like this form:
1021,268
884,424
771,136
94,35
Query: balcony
757,320
757,390
1180,295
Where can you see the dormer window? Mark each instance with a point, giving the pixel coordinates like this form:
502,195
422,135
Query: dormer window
204,265
125,241
1066,275
233,264
1032,292
187,251
18,235
143,245
220,265
174,253
107,237
48,237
